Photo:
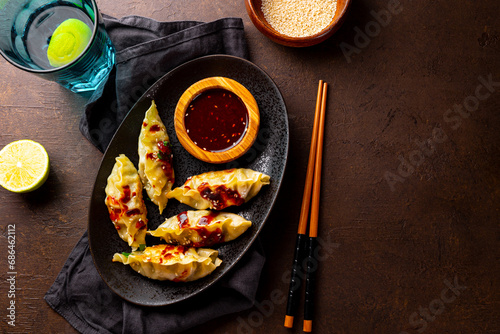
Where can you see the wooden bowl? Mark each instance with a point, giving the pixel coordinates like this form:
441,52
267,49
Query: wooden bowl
252,126
254,10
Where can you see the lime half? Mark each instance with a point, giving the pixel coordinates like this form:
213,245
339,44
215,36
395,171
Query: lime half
68,41
24,166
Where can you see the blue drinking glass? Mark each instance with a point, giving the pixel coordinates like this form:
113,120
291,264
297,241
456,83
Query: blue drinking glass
26,29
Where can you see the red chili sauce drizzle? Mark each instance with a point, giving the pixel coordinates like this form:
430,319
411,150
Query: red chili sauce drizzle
165,158
133,212
220,196
170,251
209,238
183,219
121,208
119,205
207,220
126,194
140,224
216,120
154,128
115,213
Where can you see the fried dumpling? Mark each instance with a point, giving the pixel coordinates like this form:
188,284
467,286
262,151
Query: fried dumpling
155,158
220,189
125,204
202,228
173,263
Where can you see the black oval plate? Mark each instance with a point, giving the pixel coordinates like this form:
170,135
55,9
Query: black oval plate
268,155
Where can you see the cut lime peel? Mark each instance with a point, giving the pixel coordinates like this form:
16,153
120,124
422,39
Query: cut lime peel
68,42
13,177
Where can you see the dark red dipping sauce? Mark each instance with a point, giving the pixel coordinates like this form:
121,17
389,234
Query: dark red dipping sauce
216,120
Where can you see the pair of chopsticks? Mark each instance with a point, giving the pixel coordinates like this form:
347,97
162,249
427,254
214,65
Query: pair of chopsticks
313,183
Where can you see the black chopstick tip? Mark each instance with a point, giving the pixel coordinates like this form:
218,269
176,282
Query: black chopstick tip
288,321
308,326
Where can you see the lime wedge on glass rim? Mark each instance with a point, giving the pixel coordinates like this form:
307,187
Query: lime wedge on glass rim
68,42
24,166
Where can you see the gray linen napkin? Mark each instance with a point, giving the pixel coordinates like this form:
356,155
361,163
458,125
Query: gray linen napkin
146,50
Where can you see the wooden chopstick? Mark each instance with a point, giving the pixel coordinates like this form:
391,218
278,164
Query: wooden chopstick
300,244
313,225
306,198
312,262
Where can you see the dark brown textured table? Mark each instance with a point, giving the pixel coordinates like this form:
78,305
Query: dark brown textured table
411,190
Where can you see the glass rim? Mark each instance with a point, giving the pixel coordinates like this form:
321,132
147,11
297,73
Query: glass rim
60,68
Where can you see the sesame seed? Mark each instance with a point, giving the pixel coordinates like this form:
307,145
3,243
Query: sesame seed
299,18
